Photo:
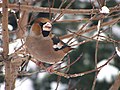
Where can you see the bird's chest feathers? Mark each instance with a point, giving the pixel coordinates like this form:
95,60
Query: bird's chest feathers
40,44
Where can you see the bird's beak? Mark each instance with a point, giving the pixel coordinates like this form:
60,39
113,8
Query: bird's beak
46,29
47,26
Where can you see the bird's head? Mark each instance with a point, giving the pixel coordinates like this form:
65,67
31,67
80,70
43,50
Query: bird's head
41,26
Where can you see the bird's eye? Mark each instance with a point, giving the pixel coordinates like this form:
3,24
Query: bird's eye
41,24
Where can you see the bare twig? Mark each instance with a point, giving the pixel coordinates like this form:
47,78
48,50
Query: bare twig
84,73
71,63
58,81
22,23
96,53
78,74
54,10
62,13
49,4
93,28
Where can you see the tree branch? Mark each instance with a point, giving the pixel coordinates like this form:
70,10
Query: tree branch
5,28
56,10
113,21
5,38
116,84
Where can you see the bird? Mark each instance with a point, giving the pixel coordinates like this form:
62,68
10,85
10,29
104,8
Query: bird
45,46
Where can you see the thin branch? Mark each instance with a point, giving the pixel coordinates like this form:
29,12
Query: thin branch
71,75
58,81
62,13
113,21
96,54
49,4
84,73
22,23
55,10
71,63
55,15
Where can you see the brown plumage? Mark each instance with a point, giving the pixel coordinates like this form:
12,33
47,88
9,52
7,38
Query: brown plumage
44,46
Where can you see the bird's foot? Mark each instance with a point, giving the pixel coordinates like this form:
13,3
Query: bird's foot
50,69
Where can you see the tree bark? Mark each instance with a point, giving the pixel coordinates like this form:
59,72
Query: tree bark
5,38
116,84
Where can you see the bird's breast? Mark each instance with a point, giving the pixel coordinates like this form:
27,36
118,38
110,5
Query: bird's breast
42,49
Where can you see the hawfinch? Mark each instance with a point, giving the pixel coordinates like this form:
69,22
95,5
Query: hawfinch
43,45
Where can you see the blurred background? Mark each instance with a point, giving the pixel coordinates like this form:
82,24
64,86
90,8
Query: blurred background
46,81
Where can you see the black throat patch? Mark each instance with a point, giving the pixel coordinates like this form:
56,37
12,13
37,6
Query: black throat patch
45,33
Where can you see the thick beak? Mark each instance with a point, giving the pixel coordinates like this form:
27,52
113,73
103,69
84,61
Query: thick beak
47,26
46,29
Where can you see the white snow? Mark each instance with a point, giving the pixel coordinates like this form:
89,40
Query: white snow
105,10
108,72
